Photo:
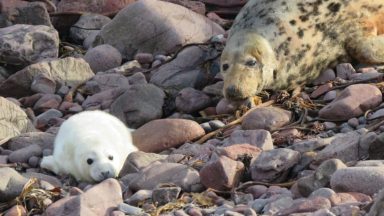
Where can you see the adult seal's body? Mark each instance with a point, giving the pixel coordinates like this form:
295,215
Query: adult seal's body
91,146
277,44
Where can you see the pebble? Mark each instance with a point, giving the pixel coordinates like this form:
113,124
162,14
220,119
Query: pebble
266,118
24,154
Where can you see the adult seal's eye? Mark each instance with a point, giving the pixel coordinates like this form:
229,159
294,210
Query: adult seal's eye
89,161
225,67
251,63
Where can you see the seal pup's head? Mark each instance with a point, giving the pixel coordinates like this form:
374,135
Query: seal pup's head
100,159
247,65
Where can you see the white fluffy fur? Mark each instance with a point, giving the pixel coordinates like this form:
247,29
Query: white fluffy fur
94,135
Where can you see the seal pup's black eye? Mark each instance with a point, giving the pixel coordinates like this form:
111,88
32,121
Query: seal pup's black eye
89,161
225,67
251,62
110,157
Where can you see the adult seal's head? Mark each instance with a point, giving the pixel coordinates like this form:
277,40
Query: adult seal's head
247,65
91,146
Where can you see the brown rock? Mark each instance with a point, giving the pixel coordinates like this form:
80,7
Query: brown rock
103,100
162,134
266,118
100,199
46,102
345,70
321,90
353,101
324,77
222,174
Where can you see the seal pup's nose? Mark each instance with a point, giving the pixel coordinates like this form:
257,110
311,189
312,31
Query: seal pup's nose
105,174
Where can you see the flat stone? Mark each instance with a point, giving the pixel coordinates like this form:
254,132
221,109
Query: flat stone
266,118
259,138
325,76
138,160
43,139
162,134
321,90
86,25
238,151
178,174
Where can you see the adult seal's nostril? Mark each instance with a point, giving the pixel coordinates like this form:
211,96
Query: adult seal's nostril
232,92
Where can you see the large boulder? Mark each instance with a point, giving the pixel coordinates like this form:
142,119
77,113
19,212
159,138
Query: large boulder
151,26
26,44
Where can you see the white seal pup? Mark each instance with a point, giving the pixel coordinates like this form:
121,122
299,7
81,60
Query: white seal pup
91,146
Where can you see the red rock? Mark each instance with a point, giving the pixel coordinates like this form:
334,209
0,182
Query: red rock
321,90
325,76
162,134
221,174
101,199
94,6
258,138
307,205
239,150
190,100
352,198
353,101
17,210
46,102
266,118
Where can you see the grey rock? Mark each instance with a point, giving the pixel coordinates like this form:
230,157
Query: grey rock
129,210
214,89
139,104
103,58
23,155
156,173
86,25
190,100
273,165
11,184
22,12
43,139
184,71
162,195
27,44
343,146
138,160
69,71
104,99
358,179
